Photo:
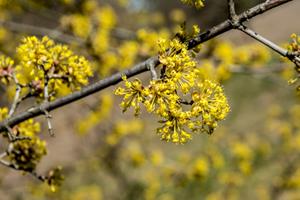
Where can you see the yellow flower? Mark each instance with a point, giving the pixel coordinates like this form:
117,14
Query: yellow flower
133,95
201,168
79,24
26,154
3,113
43,58
6,69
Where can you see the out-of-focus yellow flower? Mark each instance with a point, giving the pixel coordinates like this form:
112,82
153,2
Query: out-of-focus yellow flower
177,15
156,157
148,40
91,192
242,151
127,54
200,168
106,17
124,128
79,24
152,189
135,155
253,55
230,178
3,113
96,116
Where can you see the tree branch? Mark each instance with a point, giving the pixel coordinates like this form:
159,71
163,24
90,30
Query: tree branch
231,8
283,52
139,68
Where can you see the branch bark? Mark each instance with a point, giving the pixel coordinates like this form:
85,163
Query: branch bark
139,68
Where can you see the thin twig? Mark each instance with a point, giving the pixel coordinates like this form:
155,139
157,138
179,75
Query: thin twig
240,26
10,134
16,97
283,52
13,138
185,102
139,68
231,8
153,72
46,100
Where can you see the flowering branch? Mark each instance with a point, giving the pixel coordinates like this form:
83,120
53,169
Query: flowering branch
139,68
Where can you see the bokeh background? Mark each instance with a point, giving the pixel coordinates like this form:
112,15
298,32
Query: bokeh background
107,154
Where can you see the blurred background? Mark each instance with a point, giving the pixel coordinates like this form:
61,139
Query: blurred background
107,154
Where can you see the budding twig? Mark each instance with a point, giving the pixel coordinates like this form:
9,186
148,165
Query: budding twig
16,97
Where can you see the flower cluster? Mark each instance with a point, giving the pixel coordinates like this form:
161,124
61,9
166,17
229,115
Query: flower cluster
6,69
294,48
122,129
184,101
3,113
99,113
42,62
55,178
25,154
79,24
221,58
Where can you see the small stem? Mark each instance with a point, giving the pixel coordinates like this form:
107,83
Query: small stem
12,166
185,102
16,97
46,100
10,134
263,40
13,138
151,67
